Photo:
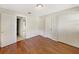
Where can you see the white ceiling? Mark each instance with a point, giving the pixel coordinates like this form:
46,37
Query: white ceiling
25,8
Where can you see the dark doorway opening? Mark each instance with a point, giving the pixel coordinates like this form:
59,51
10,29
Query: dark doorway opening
18,26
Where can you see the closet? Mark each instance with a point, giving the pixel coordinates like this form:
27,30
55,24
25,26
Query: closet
50,26
7,29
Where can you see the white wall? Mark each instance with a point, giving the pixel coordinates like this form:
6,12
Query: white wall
63,26
68,28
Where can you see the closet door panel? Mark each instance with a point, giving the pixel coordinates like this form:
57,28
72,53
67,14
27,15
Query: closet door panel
48,24
54,27
8,29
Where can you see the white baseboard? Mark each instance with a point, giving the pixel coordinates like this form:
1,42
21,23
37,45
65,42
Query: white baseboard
31,34
4,45
48,36
36,33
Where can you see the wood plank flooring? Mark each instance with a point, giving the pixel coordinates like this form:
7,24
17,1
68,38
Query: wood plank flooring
39,45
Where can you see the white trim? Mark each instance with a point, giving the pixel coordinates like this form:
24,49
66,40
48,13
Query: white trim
36,33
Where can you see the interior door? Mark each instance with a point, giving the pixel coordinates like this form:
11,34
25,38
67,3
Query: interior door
54,27
8,29
48,26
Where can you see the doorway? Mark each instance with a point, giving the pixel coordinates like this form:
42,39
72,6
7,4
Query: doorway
18,26
21,25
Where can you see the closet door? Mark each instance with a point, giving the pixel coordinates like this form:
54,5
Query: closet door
8,29
48,26
54,27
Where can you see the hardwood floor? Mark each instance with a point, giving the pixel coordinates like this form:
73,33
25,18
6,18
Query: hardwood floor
39,45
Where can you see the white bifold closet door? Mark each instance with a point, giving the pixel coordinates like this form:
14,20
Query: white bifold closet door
69,29
48,25
8,29
51,26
